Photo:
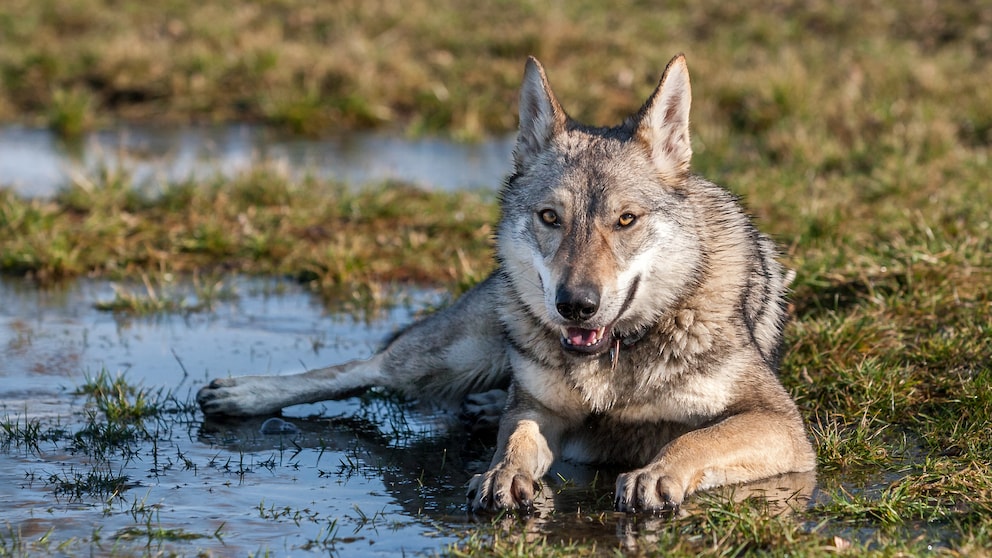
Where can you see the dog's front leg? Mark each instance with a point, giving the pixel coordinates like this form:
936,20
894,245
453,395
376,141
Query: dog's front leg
511,481
741,448
526,447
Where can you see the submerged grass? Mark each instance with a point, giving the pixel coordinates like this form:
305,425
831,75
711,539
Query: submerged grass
860,138
96,459
161,295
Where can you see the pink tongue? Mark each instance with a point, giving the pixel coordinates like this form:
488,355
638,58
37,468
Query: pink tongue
582,337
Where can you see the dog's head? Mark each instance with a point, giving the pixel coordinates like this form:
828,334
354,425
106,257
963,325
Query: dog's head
595,232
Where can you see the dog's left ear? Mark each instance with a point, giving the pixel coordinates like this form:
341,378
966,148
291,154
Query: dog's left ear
664,121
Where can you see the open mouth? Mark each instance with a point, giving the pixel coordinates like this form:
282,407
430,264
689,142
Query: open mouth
594,341
585,341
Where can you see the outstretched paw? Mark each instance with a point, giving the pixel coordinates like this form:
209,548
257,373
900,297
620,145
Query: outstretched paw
242,396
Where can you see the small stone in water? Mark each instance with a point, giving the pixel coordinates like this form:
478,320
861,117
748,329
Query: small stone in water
276,425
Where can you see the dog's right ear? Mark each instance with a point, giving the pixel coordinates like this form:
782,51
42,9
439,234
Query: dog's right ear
541,117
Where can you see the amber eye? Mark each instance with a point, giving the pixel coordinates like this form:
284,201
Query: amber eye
626,220
549,217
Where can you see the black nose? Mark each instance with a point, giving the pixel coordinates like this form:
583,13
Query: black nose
578,303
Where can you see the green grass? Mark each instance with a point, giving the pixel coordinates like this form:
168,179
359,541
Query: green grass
860,138
348,245
453,65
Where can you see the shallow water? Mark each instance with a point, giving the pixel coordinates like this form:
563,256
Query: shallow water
364,476
321,483
35,162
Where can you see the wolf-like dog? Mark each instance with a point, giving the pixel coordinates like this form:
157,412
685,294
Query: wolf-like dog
635,313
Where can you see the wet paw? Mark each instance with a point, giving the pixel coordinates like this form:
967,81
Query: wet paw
502,488
648,491
243,396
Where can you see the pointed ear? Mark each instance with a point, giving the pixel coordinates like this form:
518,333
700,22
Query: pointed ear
541,117
664,121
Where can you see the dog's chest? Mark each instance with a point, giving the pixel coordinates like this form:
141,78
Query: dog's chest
674,374
665,391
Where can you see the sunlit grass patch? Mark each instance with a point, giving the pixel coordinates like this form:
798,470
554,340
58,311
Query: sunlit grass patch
71,112
442,67
120,402
349,245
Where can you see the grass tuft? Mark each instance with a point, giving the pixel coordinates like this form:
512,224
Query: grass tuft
120,402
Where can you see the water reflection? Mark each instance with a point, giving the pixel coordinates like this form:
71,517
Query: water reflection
425,472
51,339
35,162
365,474
258,491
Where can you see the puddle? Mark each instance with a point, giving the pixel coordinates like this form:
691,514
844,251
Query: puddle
364,476
35,162
335,482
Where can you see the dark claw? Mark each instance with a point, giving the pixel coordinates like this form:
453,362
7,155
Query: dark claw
669,507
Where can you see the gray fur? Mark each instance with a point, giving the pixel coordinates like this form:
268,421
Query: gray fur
635,312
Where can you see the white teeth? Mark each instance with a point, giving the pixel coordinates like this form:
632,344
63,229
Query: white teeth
596,339
581,336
